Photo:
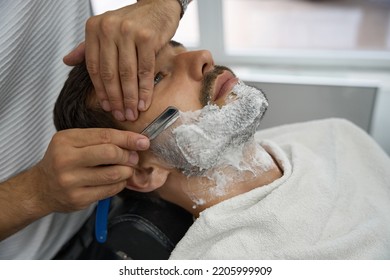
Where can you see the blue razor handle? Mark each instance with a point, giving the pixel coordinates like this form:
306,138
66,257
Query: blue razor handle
101,220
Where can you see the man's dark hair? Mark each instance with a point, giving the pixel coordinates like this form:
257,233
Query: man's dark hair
74,108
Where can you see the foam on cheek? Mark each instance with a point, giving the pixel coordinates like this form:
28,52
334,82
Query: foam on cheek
217,144
205,135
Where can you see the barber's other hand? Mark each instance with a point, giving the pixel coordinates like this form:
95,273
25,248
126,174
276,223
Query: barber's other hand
120,50
82,166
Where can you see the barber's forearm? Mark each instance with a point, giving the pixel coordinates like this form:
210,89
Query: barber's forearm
19,205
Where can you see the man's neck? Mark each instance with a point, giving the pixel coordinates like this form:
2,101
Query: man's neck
253,167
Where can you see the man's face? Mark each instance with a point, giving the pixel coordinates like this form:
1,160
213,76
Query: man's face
217,112
187,80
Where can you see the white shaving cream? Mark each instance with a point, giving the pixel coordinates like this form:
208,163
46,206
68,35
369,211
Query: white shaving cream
205,142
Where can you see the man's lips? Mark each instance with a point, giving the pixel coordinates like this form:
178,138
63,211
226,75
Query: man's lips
224,84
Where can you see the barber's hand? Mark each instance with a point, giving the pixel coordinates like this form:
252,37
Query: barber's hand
82,166
120,49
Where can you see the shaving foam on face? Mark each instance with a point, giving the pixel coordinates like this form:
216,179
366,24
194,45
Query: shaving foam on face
204,140
207,141
198,139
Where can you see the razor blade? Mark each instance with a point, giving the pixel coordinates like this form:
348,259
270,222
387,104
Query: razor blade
163,121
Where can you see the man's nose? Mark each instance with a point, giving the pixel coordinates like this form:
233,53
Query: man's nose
199,63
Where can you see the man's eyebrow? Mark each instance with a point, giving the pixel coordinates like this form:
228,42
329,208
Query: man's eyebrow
175,44
171,43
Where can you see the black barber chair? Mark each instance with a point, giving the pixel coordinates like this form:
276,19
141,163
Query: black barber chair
140,227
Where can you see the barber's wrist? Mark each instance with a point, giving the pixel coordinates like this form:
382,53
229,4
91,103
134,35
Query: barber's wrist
183,5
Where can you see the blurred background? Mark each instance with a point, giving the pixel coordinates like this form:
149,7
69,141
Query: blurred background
314,59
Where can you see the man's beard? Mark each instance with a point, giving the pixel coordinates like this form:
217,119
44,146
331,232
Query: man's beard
198,140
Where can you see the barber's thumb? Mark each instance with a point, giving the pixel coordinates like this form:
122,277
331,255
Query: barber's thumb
76,56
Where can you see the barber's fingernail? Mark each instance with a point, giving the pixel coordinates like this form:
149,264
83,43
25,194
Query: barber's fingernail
141,105
106,106
119,115
130,115
133,158
143,144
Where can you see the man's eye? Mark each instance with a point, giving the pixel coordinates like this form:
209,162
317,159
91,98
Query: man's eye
159,76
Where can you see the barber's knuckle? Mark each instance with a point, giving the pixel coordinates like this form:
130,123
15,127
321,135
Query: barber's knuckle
59,138
146,72
91,24
130,99
116,102
107,24
106,73
145,91
110,153
127,27
92,67
65,180
145,35
125,156
126,73
112,175
130,172
131,142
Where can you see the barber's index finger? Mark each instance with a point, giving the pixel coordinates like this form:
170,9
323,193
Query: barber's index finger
96,136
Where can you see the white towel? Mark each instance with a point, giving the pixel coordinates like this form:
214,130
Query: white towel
333,201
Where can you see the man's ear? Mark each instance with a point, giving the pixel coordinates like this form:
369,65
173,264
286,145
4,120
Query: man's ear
149,175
